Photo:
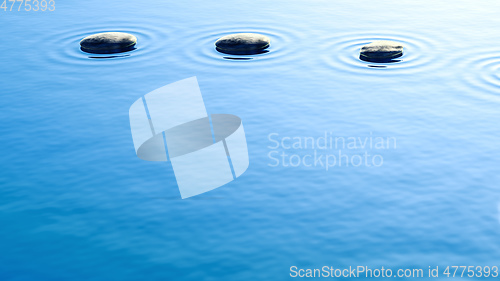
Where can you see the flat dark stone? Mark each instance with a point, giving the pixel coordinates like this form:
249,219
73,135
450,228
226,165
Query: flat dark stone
242,43
381,50
108,42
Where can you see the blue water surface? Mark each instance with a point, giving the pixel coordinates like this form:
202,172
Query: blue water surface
77,204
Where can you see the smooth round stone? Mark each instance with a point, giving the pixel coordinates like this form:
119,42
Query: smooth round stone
108,42
381,50
242,43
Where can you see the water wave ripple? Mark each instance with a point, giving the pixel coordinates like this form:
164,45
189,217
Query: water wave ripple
481,71
199,46
342,52
63,48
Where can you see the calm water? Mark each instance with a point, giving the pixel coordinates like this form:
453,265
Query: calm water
77,204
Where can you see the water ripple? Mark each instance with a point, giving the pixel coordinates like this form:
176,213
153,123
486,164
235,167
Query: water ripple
342,52
199,48
63,48
482,71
